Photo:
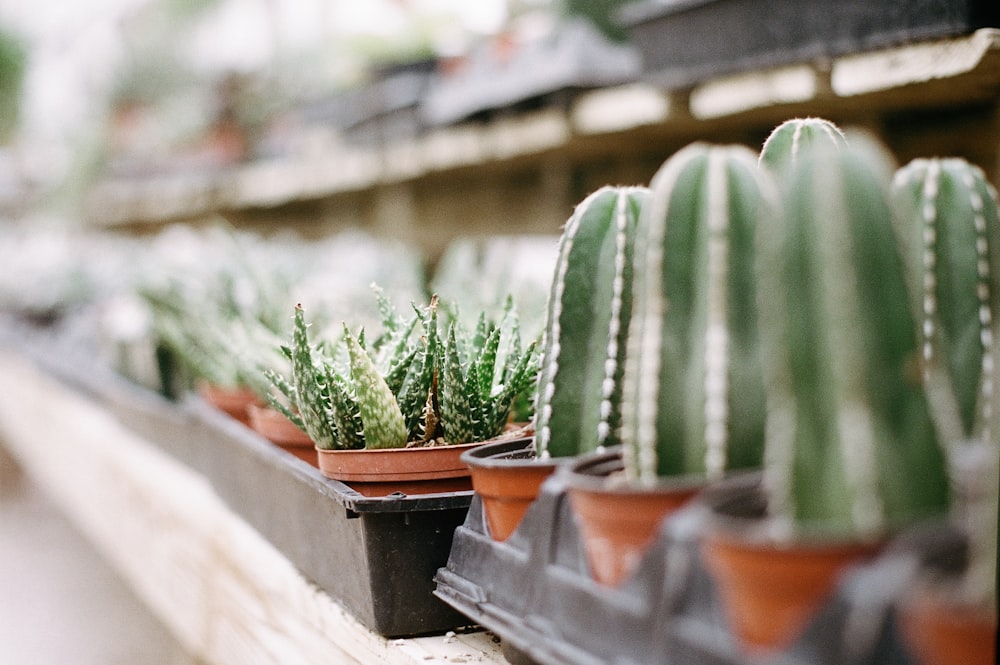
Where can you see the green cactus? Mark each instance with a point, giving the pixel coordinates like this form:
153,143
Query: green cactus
851,447
479,375
792,137
579,391
693,388
950,213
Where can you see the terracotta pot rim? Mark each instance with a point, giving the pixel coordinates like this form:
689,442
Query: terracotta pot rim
599,472
396,451
508,454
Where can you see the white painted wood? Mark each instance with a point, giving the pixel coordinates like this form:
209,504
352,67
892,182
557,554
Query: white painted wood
226,593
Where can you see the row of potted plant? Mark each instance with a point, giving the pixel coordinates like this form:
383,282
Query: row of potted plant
808,317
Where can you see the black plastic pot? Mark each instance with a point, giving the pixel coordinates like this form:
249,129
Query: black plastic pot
686,41
535,592
375,556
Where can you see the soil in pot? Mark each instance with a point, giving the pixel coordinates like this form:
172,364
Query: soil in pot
619,523
770,590
279,430
507,477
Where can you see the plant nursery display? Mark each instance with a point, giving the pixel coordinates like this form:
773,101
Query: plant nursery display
402,408
692,403
852,452
809,359
578,396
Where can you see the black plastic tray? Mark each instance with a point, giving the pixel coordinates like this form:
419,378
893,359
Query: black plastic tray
534,591
686,41
375,556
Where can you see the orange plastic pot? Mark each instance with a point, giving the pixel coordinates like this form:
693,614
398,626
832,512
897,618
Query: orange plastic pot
771,591
232,401
939,632
507,477
417,470
618,523
279,430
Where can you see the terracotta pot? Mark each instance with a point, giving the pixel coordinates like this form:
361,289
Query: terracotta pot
507,477
233,401
618,523
770,590
279,430
423,470
943,632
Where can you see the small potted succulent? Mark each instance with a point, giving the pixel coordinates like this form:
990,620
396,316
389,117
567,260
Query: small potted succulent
692,391
852,454
395,414
579,393
948,215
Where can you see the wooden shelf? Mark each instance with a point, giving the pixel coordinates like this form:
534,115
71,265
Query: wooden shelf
562,153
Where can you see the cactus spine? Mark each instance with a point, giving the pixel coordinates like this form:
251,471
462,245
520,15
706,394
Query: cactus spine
693,389
850,442
579,391
792,137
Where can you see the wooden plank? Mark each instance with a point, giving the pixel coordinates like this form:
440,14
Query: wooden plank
226,593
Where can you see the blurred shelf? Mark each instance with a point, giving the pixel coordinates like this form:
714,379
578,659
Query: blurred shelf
562,152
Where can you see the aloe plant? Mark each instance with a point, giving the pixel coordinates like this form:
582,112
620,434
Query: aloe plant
851,445
693,387
948,215
479,376
579,389
406,387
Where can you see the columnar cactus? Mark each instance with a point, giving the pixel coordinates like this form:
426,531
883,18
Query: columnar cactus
579,392
949,214
693,398
950,211
851,447
792,137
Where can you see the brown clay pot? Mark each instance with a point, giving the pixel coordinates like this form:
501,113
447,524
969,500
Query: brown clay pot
618,523
943,632
233,401
418,470
279,430
507,477
769,590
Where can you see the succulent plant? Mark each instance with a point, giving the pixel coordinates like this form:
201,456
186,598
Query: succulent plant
850,442
479,376
354,404
693,389
948,215
579,388
407,386
792,137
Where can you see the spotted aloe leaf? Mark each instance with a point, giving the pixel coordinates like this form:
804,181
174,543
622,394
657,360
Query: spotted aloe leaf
382,422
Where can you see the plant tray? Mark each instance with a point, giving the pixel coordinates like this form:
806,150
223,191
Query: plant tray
684,42
534,591
375,556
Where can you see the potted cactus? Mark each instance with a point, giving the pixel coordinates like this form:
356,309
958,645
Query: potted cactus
579,393
692,394
852,455
949,220
395,414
